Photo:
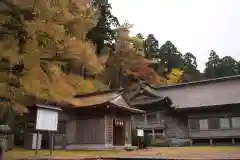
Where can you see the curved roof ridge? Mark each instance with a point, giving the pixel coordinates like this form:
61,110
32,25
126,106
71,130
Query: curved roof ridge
194,82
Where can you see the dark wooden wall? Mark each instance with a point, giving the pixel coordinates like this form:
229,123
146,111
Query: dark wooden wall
95,126
178,124
90,131
175,125
213,119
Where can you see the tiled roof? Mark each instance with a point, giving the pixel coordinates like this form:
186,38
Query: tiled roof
219,93
93,99
206,81
142,95
110,97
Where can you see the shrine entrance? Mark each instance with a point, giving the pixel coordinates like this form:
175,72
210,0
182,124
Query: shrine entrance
118,133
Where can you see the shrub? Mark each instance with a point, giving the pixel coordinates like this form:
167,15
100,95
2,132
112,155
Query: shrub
130,148
161,143
181,142
171,143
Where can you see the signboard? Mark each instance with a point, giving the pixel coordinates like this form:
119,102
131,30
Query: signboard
47,119
140,133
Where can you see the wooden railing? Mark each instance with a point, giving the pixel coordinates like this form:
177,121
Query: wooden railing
149,119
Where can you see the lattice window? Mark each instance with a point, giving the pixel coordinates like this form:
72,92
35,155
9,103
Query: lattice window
194,124
224,123
236,122
203,124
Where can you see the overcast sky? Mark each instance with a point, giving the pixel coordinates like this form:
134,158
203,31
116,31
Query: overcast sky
195,26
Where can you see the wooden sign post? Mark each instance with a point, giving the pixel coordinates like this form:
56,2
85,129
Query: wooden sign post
140,134
47,120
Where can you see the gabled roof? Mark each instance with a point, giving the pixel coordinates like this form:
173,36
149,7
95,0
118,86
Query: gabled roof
103,97
93,99
123,104
143,95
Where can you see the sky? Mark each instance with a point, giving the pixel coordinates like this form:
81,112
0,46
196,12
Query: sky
196,26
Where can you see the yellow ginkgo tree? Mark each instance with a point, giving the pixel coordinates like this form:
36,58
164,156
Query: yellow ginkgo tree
37,37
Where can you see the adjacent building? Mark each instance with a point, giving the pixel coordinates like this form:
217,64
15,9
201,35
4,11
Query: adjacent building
203,111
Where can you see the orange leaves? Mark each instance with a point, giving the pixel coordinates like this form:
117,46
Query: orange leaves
47,86
84,52
55,35
9,51
81,85
129,59
140,71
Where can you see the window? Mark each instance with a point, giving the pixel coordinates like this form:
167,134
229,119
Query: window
214,123
224,123
194,124
236,122
160,131
198,124
203,124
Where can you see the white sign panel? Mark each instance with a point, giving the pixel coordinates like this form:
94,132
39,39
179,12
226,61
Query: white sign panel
46,119
140,133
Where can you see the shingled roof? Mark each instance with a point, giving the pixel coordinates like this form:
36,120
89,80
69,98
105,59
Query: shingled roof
206,93
103,97
206,81
140,95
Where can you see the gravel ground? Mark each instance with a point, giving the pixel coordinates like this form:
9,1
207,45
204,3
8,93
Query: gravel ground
190,153
182,153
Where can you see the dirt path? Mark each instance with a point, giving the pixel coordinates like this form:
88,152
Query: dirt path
189,153
199,153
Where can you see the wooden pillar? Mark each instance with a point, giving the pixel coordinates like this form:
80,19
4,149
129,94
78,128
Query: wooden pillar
211,141
130,131
191,142
158,117
145,119
233,141
153,135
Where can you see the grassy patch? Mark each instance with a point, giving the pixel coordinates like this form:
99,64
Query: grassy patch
21,153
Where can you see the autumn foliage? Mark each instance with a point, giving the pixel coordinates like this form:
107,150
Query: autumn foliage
38,36
41,38
129,61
